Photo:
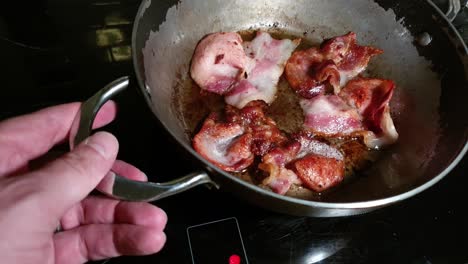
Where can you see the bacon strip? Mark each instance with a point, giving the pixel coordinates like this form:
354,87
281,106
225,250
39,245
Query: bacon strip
226,145
232,143
305,161
264,131
244,72
310,74
279,178
329,115
371,97
319,173
314,71
268,57
361,109
218,62
350,58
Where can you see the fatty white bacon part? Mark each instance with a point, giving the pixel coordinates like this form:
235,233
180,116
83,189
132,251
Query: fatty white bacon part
224,144
329,115
267,58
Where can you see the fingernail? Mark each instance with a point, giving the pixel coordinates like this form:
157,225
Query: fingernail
98,141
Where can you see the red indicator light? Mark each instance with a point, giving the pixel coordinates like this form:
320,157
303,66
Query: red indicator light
234,259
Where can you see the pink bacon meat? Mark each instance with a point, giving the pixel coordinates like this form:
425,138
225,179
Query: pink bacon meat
303,161
265,133
226,145
371,97
314,71
361,109
219,61
243,72
329,115
268,57
231,143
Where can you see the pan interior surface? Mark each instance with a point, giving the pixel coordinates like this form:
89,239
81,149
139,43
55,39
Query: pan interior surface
418,108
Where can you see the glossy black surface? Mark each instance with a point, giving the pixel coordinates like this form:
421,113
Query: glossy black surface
65,50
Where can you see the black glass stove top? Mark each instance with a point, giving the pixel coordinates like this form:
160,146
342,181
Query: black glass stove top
65,50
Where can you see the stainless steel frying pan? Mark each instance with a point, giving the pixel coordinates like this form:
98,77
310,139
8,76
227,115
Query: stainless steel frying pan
424,55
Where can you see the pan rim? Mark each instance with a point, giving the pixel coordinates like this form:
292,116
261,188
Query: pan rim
325,205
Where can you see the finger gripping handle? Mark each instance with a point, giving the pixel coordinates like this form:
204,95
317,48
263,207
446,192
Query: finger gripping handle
113,184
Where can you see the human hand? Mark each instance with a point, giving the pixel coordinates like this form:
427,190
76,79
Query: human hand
34,202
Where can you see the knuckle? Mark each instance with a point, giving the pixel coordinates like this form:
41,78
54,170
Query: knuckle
160,218
76,163
12,160
83,246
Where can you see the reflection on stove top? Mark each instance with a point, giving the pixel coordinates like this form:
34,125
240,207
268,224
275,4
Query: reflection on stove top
217,241
307,242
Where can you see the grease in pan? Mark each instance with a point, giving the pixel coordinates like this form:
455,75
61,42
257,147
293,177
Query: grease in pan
345,116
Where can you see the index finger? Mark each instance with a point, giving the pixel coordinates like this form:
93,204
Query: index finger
27,137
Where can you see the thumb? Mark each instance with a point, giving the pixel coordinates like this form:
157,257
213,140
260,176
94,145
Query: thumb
70,178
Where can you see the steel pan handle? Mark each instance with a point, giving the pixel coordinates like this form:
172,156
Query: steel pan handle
454,8
117,186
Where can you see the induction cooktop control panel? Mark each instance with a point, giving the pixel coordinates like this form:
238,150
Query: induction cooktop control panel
217,242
